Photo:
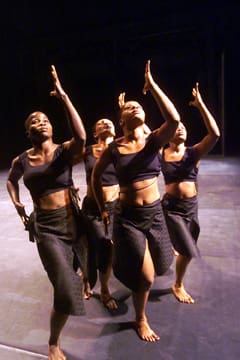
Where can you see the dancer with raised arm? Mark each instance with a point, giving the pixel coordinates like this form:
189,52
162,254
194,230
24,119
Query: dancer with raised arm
180,164
100,244
46,169
142,246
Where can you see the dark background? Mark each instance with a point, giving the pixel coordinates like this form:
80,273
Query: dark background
100,49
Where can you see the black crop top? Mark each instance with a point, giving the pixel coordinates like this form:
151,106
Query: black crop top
138,166
108,178
47,178
183,170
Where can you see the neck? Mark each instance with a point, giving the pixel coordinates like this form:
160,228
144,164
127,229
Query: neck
134,134
43,146
177,147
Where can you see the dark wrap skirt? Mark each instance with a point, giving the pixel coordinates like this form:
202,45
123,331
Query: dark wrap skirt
100,245
183,225
132,226
60,248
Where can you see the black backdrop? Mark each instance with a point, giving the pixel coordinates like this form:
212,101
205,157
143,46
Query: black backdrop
101,50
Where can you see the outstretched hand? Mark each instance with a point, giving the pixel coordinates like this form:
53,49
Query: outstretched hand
58,90
148,78
197,97
121,99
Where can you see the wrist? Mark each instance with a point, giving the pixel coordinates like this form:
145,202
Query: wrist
63,96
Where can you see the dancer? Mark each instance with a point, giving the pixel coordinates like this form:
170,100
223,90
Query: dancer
100,245
47,173
180,165
141,243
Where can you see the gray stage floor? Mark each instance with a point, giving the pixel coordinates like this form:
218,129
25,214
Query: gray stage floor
209,329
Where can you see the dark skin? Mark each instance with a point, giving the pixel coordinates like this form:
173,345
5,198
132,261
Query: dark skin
188,189
40,132
104,134
140,192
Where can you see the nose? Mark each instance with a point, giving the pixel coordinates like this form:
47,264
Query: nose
135,107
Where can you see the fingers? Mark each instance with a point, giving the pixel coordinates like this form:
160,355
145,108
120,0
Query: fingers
121,99
54,74
147,75
147,68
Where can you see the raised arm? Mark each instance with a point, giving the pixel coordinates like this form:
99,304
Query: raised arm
77,143
15,173
167,108
208,142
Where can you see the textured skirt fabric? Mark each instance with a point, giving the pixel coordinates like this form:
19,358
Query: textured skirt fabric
183,225
132,226
59,247
100,245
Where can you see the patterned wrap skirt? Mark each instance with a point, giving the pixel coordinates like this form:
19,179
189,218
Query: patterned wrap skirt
100,245
60,248
183,225
132,226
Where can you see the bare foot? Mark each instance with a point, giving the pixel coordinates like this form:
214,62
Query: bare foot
108,301
175,252
87,292
55,353
181,294
145,332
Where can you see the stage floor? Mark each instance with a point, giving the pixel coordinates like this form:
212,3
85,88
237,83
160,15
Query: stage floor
207,330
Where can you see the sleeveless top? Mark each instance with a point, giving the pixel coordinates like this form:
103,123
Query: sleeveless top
138,166
182,170
108,178
45,179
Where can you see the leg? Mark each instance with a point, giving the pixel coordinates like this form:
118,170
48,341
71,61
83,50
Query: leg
57,322
105,295
178,288
87,292
140,299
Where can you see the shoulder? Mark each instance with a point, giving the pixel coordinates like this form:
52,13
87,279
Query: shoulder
21,157
192,152
61,148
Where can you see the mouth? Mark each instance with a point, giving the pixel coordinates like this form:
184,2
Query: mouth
42,130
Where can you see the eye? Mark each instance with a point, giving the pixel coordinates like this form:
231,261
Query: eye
34,121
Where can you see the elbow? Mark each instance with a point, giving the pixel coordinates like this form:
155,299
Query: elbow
217,134
175,119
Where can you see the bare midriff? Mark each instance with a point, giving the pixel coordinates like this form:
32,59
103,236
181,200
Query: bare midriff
110,193
54,200
184,189
140,193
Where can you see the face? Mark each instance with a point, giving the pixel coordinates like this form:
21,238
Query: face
180,134
38,125
132,115
104,127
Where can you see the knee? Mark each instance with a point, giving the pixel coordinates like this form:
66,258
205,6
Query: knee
146,282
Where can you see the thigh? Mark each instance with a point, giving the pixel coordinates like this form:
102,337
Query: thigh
58,260
56,256
148,270
129,246
159,243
